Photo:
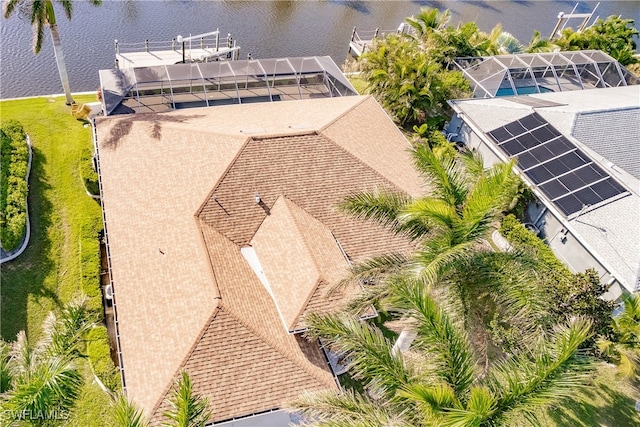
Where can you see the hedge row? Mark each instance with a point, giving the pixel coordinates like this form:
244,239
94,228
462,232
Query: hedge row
13,184
99,352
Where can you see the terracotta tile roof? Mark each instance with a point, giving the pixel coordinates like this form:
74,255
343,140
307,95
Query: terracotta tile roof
296,252
185,295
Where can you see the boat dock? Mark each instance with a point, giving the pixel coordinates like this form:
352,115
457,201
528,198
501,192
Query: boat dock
362,40
199,48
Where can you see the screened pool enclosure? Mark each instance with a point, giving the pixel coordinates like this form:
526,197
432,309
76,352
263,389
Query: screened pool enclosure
169,87
528,73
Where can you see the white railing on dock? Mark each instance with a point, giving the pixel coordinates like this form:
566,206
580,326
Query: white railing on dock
200,47
362,40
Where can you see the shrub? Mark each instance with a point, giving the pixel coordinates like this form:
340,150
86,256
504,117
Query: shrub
572,294
99,352
13,184
89,175
520,237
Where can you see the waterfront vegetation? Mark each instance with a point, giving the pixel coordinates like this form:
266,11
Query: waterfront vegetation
62,259
13,185
413,75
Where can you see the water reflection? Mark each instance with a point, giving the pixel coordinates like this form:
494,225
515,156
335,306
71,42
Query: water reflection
263,28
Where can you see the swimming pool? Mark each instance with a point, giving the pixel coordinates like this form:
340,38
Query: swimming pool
524,90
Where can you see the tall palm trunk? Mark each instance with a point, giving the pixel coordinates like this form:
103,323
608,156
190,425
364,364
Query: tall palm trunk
62,68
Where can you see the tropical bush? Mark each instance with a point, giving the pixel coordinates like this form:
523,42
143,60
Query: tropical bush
43,377
13,184
624,349
411,81
614,35
569,294
518,235
99,353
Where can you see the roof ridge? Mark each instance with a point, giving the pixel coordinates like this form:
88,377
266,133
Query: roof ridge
347,111
361,162
309,249
205,202
271,344
186,358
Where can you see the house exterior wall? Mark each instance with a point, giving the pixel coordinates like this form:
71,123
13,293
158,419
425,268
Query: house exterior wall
474,142
569,249
563,243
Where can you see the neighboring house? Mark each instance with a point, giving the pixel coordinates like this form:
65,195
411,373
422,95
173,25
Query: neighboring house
528,73
580,153
223,231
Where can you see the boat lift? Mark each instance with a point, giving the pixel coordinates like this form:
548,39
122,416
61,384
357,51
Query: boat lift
197,48
563,19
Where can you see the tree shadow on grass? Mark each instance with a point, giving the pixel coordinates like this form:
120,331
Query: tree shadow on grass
600,405
24,277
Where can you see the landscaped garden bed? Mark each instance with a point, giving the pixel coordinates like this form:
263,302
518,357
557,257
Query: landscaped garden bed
13,185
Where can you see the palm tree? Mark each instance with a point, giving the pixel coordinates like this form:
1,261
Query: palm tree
43,378
448,225
437,382
540,44
625,350
186,408
127,413
429,20
41,13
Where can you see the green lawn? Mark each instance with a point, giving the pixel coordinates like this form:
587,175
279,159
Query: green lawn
609,402
64,220
62,258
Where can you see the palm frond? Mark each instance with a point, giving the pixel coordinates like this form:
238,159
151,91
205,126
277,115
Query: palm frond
556,370
187,409
54,384
431,211
38,23
22,358
480,406
127,414
67,6
5,367
438,256
444,342
370,355
63,334
443,174
381,206
430,398
9,7
347,408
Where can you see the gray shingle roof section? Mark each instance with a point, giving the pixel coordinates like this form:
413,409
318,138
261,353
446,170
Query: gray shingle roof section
597,129
611,231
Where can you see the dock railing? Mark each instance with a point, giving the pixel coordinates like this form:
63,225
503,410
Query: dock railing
151,46
361,40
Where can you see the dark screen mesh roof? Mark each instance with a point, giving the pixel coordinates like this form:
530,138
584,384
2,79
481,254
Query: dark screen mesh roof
564,174
116,84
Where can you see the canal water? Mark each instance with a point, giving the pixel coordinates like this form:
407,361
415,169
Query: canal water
262,28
